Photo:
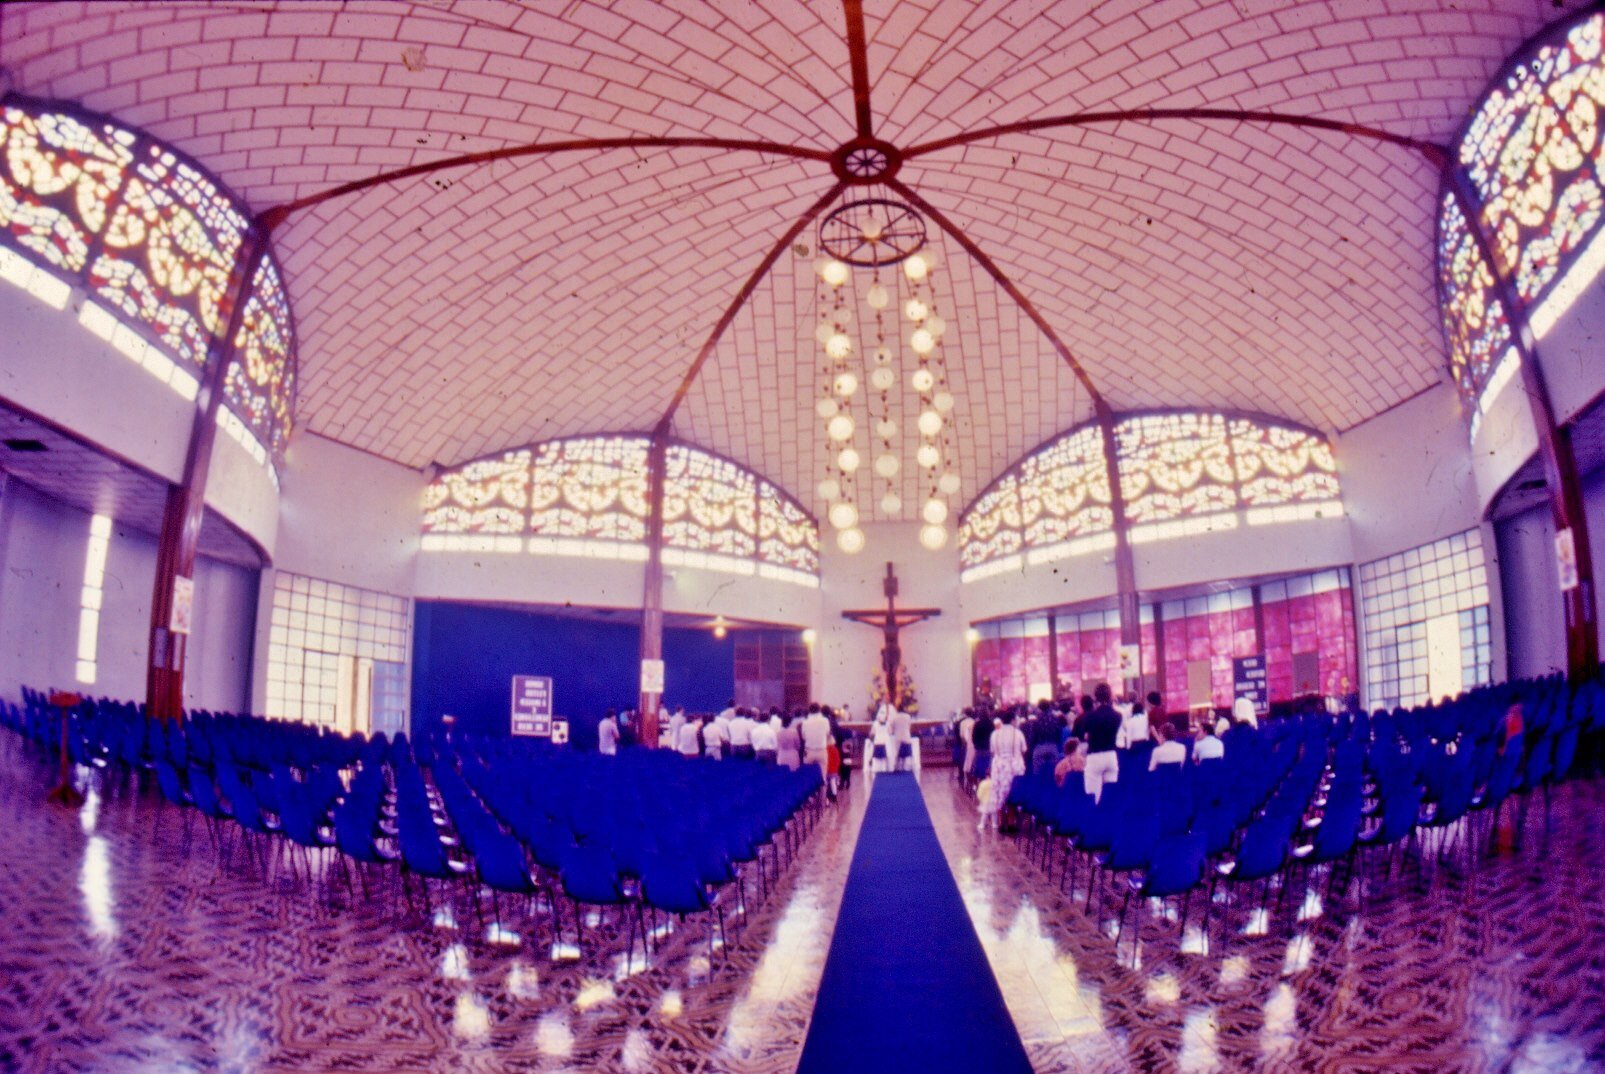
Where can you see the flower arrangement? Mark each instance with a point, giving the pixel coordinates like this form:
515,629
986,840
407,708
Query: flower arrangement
910,702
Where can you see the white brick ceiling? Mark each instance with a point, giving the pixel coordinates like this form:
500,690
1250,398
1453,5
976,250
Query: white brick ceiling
1276,270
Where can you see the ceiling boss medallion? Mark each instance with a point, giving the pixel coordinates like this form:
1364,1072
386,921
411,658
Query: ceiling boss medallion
866,160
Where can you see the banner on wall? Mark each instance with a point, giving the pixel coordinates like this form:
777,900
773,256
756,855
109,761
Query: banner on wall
1248,680
652,676
1566,559
532,705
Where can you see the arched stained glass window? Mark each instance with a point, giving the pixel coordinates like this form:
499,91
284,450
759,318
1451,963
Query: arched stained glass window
1180,472
587,496
1175,466
152,239
1532,154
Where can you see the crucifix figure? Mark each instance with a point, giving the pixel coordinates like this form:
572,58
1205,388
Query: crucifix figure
891,619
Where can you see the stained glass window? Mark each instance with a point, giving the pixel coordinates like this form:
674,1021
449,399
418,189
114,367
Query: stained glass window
1180,473
1278,464
1532,154
484,496
153,240
1175,466
588,496
590,488
1064,490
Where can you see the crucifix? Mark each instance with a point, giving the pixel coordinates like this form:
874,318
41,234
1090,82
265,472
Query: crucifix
891,620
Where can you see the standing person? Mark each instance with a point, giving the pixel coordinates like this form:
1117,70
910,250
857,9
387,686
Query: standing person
1008,761
688,740
788,744
715,738
981,737
833,767
1156,712
815,738
740,729
607,734
676,722
963,749
1100,728
1133,729
902,737
765,742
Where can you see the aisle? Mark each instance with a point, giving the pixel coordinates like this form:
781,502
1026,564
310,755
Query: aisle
906,986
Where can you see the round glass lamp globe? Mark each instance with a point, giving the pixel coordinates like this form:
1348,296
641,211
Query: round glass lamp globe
943,401
935,325
848,460
823,331
829,489
850,541
933,537
934,512
916,267
835,273
887,465
886,428
838,346
826,408
948,483
922,342
883,355
878,297
844,516
922,380
928,457
882,379
930,423
891,503
915,309
846,384
840,428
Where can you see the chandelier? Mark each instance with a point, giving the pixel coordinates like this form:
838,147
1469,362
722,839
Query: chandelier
878,315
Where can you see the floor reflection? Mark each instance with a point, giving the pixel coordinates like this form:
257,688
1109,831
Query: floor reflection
1490,972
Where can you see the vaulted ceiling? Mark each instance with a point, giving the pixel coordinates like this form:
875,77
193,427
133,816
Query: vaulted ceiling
1185,262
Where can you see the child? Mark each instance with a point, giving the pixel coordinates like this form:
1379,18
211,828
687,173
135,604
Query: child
833,768
989,807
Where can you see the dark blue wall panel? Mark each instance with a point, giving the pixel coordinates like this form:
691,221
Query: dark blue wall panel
465,657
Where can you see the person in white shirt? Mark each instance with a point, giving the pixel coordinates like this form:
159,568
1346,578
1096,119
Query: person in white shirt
1133,729
1169,751
902,734
1209,748
715,737
607,734
765,742
740,731
688,738
676,722
1008,762
816,738
727,713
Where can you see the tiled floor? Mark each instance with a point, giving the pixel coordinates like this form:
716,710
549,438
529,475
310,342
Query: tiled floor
118,952
1503,972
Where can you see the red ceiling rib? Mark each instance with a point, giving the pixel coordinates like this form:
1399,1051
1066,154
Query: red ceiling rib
1432,151
1100,407
740,300
858,59
277,214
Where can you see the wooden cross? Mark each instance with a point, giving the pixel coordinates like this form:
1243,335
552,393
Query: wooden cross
891,619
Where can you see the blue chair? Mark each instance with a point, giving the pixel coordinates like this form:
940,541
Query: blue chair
1176,868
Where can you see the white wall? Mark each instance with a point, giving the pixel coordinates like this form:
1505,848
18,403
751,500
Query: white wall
1407,476
1506,438
347,516
54,368
42,550
1570,353
847,654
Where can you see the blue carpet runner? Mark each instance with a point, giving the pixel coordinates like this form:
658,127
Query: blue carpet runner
906,985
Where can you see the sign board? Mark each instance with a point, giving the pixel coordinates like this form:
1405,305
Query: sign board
1248,680
1130,661
183,611
532,705
1566,559
651,676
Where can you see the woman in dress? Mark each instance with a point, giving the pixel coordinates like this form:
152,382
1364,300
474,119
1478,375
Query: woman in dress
1008,761
788,748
